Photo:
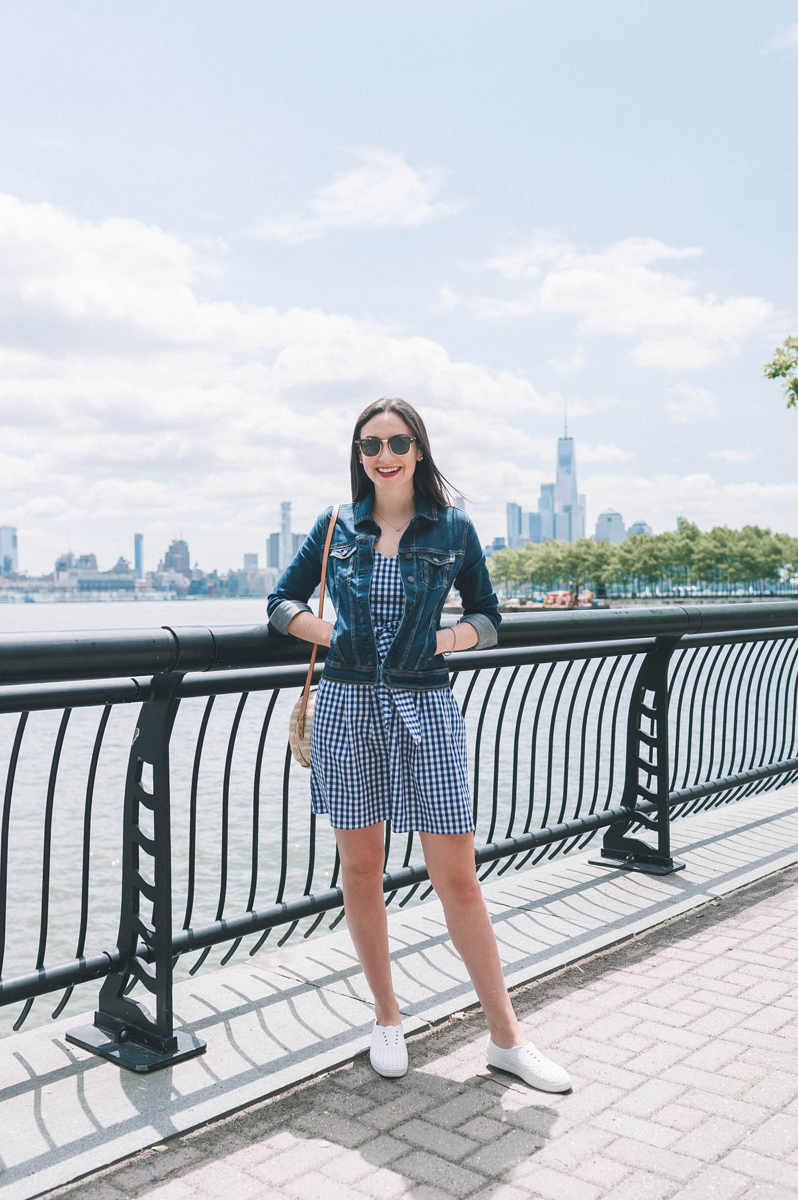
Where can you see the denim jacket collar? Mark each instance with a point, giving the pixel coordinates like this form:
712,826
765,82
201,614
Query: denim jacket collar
424,508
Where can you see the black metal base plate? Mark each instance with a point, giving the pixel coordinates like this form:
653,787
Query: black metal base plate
635,864
134,1055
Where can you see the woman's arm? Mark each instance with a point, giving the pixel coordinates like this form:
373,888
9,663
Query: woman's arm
311,629
456,637
480,605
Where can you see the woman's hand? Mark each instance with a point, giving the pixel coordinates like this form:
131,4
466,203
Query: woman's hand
456,637
311,629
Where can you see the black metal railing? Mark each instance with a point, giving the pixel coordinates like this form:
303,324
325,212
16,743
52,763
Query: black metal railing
151,810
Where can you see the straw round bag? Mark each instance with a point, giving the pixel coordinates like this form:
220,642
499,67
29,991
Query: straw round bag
300,723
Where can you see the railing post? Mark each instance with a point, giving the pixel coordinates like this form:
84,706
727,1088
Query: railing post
647,759
123,1030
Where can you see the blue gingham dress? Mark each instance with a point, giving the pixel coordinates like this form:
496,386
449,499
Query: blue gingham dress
387,754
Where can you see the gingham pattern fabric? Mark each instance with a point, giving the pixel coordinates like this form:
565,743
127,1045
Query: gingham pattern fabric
380,753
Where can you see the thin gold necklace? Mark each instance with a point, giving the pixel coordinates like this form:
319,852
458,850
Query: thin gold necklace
398,528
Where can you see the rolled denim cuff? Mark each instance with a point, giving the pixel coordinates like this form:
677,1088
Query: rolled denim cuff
486,631
285,612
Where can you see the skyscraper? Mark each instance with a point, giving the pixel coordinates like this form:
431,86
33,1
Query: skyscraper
546,510
513,524
566,496
8,550
177,558
610,527
138,554
286,541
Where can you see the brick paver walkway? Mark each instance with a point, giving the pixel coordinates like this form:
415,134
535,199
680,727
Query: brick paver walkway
683,1046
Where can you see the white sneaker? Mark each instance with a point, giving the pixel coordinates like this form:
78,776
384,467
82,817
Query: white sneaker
388,1052
530,1065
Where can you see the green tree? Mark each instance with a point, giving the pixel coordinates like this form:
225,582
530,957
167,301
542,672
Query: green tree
785,366
509,569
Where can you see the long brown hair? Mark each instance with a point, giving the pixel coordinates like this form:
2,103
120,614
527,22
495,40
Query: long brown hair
427,479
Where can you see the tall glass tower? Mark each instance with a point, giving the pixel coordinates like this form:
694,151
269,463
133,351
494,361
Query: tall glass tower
566,495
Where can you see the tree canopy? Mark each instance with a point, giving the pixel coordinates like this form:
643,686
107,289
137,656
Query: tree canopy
785,366
721,559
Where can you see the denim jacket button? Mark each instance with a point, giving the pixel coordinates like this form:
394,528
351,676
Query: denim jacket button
408,555
411,579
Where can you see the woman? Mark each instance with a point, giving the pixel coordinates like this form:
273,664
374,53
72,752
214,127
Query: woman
388,740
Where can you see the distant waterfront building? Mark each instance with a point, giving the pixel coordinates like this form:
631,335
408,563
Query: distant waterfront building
138,554
610,527
496,544
281,547
250,562
640,528
459,502
514,515
546,511
8,550
530,527
567,499
286,540
177,558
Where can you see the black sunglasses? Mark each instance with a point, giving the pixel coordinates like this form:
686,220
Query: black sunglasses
399,444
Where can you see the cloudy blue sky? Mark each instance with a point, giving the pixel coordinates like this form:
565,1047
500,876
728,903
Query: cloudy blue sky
224,228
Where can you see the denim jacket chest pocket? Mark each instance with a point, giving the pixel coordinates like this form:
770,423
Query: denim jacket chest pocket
342,561
437,568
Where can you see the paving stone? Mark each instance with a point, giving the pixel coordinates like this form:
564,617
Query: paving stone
648,1098
428,1168
221,1180
641,1185
775,1090
625,1125
758,1166
406,1105
457,1111
653,1158
573,1147
500,1155
381,1150
318,1186
715,1183
604,1172
711,1139
554,1185
435,1139
678,1116
483,1129
777,1136
383,1184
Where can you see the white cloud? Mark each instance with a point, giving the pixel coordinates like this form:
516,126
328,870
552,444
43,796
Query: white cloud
618,292
696,404
786,40
384,190
566,366
127,402
734,456
662,498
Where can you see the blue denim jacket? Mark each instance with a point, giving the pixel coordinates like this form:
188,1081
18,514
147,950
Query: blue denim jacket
438,550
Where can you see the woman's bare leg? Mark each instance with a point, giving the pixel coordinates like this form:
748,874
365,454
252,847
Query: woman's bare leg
362,854
450,862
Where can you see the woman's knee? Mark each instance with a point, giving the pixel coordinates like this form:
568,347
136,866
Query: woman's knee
459,886
363,869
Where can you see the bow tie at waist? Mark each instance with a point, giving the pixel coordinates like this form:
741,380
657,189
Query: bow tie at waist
395,698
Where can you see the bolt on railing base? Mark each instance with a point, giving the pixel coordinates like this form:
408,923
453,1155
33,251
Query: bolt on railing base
136,1049
638,862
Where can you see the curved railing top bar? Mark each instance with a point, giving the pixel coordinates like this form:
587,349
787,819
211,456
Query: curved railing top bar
105,654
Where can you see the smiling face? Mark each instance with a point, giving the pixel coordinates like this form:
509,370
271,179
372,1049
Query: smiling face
391,474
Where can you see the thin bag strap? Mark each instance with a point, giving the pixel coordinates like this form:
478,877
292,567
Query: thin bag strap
300,728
